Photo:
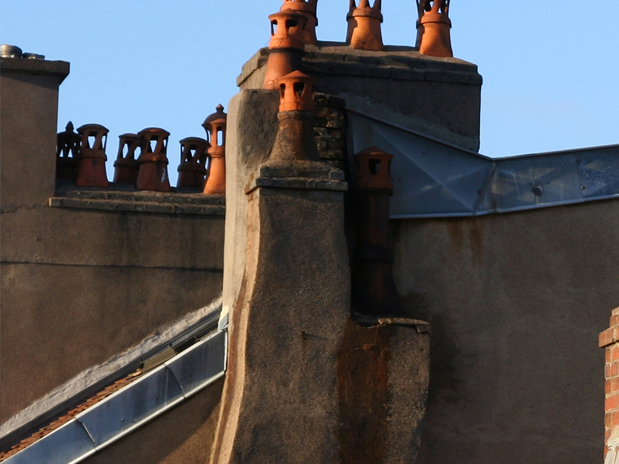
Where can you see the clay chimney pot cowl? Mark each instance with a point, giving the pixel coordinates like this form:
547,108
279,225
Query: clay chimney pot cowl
91,167
153,173
68,142
192,169
132,142
364,26
126,167
159,151
296,92
306,8
287,30
373,170
433,28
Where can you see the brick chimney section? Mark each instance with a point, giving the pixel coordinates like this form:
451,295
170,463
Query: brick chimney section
609,340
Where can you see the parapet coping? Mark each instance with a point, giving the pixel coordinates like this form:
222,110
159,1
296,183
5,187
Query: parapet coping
395,62
26,66
134,201
297,174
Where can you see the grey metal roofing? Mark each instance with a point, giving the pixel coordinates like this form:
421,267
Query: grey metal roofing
176,336
131,407
435,179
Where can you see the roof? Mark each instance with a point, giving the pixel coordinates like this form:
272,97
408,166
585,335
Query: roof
436,179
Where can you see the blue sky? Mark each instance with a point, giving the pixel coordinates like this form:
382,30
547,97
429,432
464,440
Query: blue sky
550,70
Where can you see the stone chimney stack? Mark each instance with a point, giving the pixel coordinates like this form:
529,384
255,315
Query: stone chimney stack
433,36
29,114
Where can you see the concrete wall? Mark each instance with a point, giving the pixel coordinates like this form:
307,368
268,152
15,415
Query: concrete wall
80,285
516,302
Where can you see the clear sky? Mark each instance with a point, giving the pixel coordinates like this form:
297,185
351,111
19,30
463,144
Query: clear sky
550,67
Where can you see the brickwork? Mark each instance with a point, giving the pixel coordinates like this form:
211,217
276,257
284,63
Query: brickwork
330,129
609,339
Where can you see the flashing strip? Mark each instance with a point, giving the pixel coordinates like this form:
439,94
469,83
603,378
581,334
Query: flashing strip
434,179
119,414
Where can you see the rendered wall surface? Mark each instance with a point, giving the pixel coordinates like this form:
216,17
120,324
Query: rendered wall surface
440,97
80,285
516,302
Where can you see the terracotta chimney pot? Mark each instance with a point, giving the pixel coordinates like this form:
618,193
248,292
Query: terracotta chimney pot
192,170
153,174
433,36
306,8
126,166
374,292
296,92
295,140
287,30
374,170
215,127
364,25
67,153
91,166
286,46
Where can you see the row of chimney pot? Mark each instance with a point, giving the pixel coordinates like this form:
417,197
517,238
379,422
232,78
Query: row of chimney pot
81,157
294,26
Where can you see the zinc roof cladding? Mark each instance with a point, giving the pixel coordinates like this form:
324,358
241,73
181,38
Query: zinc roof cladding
436,179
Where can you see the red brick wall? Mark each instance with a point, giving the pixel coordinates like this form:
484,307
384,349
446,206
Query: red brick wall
609,339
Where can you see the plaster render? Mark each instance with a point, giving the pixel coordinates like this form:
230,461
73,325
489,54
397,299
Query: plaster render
516,302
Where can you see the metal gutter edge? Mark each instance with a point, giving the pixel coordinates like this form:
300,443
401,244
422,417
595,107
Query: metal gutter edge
150,396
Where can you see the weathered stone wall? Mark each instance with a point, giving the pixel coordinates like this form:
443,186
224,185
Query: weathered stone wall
330,129
516,302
